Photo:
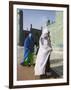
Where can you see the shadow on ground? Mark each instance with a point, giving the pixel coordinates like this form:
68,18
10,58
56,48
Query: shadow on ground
27,73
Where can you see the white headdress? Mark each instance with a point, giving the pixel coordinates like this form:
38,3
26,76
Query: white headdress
45,30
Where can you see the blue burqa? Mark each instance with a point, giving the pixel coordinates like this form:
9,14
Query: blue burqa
28,49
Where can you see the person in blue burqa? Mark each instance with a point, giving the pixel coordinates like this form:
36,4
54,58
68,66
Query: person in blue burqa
28,50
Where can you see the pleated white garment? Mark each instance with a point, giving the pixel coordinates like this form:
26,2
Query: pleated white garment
42,56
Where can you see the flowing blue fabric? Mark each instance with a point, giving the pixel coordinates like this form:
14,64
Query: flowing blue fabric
28,47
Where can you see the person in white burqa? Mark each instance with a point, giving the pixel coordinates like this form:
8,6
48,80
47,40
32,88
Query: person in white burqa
44,52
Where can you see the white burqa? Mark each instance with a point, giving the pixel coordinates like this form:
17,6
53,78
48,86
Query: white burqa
43,53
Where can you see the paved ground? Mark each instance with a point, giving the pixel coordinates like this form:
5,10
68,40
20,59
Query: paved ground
27,73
